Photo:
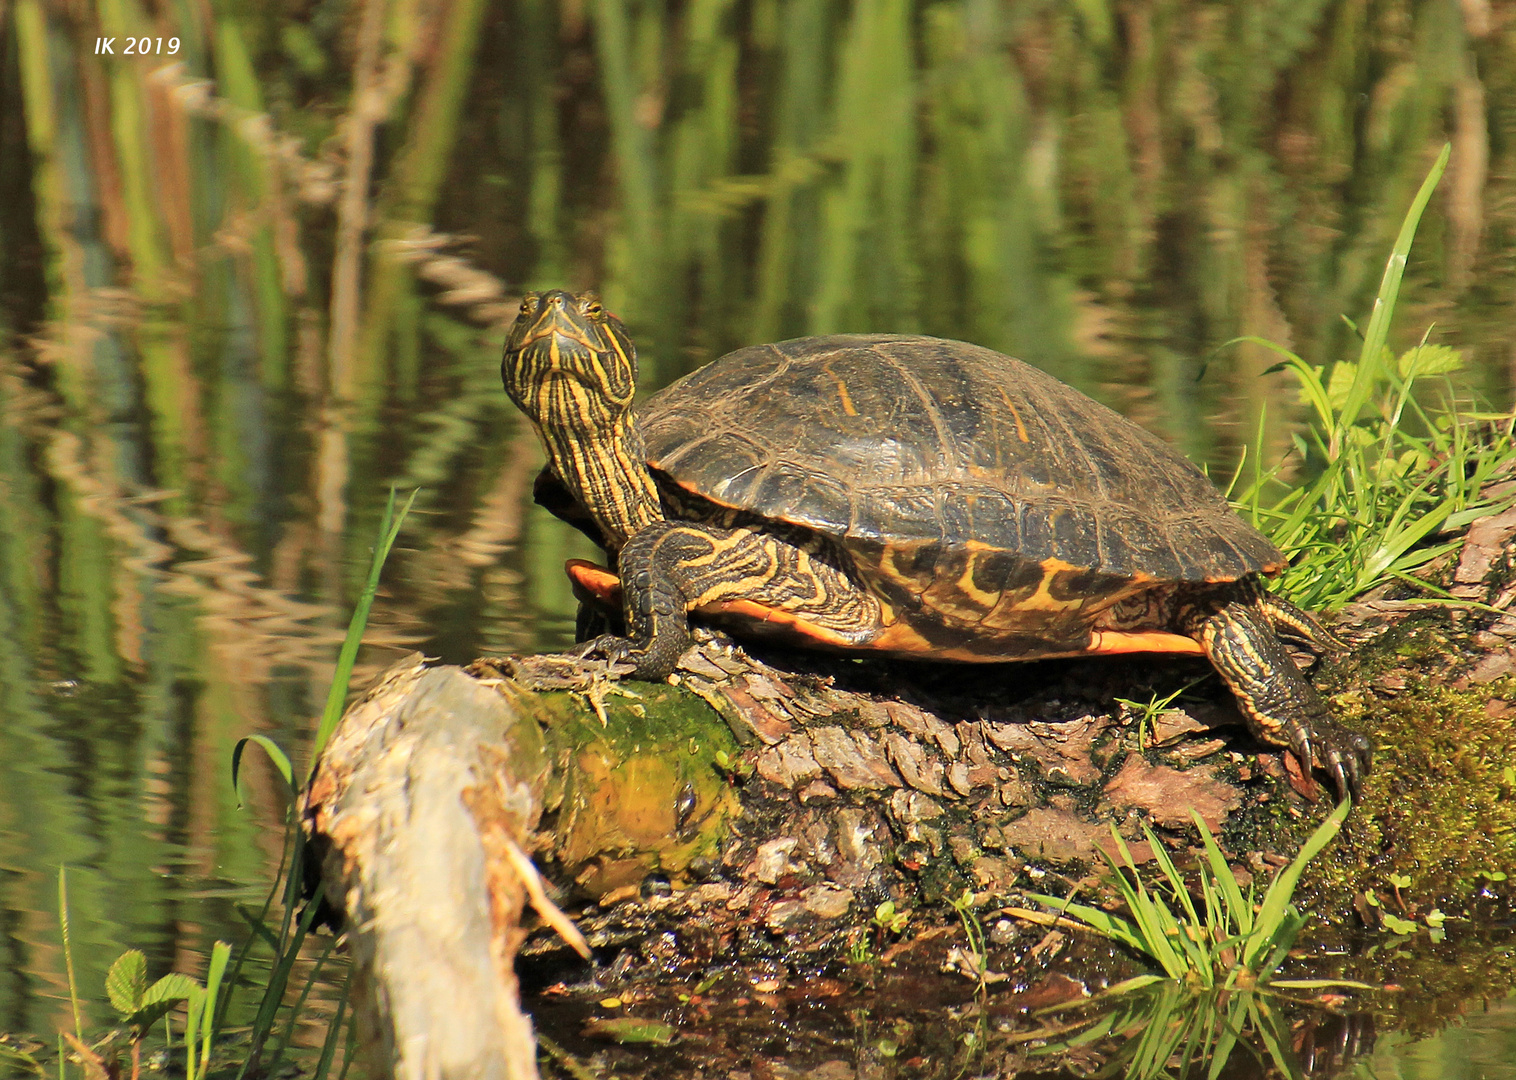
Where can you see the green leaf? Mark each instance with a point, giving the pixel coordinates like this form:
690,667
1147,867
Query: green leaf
629,1029
1320,984
172,988
1136,982
1340,382
1378,330
1240,910
389,529
1273,912
221,954
145,1017
126,982
1428,360
1112,926
275,754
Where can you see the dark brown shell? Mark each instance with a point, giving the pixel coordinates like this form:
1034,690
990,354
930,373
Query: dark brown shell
887,442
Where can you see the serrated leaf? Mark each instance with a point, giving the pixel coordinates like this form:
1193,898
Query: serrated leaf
1339,382
145,1017
1428,360
126,982
172,988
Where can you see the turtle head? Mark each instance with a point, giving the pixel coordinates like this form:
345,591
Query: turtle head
570,366
559,341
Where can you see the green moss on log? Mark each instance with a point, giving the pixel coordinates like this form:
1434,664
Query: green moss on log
1441,808
640,793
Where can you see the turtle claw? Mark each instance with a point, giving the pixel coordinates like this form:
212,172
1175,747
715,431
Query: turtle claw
1344,754
649,661
616,652
1300,746
1348,757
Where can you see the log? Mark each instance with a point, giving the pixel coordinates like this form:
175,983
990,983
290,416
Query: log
762,803
429,778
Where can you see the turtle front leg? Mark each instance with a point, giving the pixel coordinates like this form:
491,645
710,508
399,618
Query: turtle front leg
670,568
1280,706
1298,624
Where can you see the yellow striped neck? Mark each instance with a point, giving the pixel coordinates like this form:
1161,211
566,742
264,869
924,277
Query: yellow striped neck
605,470
570,366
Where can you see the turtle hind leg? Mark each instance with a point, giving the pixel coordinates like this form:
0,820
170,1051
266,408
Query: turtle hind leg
1297,624
672,567
1280,706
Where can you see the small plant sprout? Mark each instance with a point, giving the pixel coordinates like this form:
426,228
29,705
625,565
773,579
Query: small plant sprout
140,1006
1435,920
1147,712
734,768
889,921
973,958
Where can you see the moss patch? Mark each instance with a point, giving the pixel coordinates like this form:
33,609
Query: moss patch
641,793
1441,803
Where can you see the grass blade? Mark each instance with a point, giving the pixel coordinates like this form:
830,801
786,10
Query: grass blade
389,528
1271,914
1370,357
1239,909
68,951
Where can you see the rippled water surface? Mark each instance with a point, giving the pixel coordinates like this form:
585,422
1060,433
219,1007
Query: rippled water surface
213,365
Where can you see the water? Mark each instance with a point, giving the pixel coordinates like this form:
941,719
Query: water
199,420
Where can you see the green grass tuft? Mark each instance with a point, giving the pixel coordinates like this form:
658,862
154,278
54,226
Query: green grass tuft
1219,960
1394,463
1229,941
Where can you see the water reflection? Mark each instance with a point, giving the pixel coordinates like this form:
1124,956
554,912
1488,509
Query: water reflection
212,364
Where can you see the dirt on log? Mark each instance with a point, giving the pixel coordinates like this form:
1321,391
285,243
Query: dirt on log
765,806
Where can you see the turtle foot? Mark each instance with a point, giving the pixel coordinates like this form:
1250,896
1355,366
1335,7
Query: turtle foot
617,653
625,658
1345,755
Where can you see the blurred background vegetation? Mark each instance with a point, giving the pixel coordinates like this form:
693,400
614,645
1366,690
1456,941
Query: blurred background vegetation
254,277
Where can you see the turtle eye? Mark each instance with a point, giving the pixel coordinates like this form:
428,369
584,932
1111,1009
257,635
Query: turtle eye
591,307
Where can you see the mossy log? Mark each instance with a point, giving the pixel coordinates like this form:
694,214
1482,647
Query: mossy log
768,806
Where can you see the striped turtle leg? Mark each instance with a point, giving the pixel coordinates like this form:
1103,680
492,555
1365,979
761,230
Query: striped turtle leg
1298,624
1280,706
672,567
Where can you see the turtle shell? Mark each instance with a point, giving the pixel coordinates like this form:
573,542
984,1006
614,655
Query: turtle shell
914,448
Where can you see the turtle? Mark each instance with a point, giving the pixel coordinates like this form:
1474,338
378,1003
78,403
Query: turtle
901,495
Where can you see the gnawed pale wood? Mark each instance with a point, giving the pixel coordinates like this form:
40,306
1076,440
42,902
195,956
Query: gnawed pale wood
429,780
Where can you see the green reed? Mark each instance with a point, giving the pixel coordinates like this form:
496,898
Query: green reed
1393,475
